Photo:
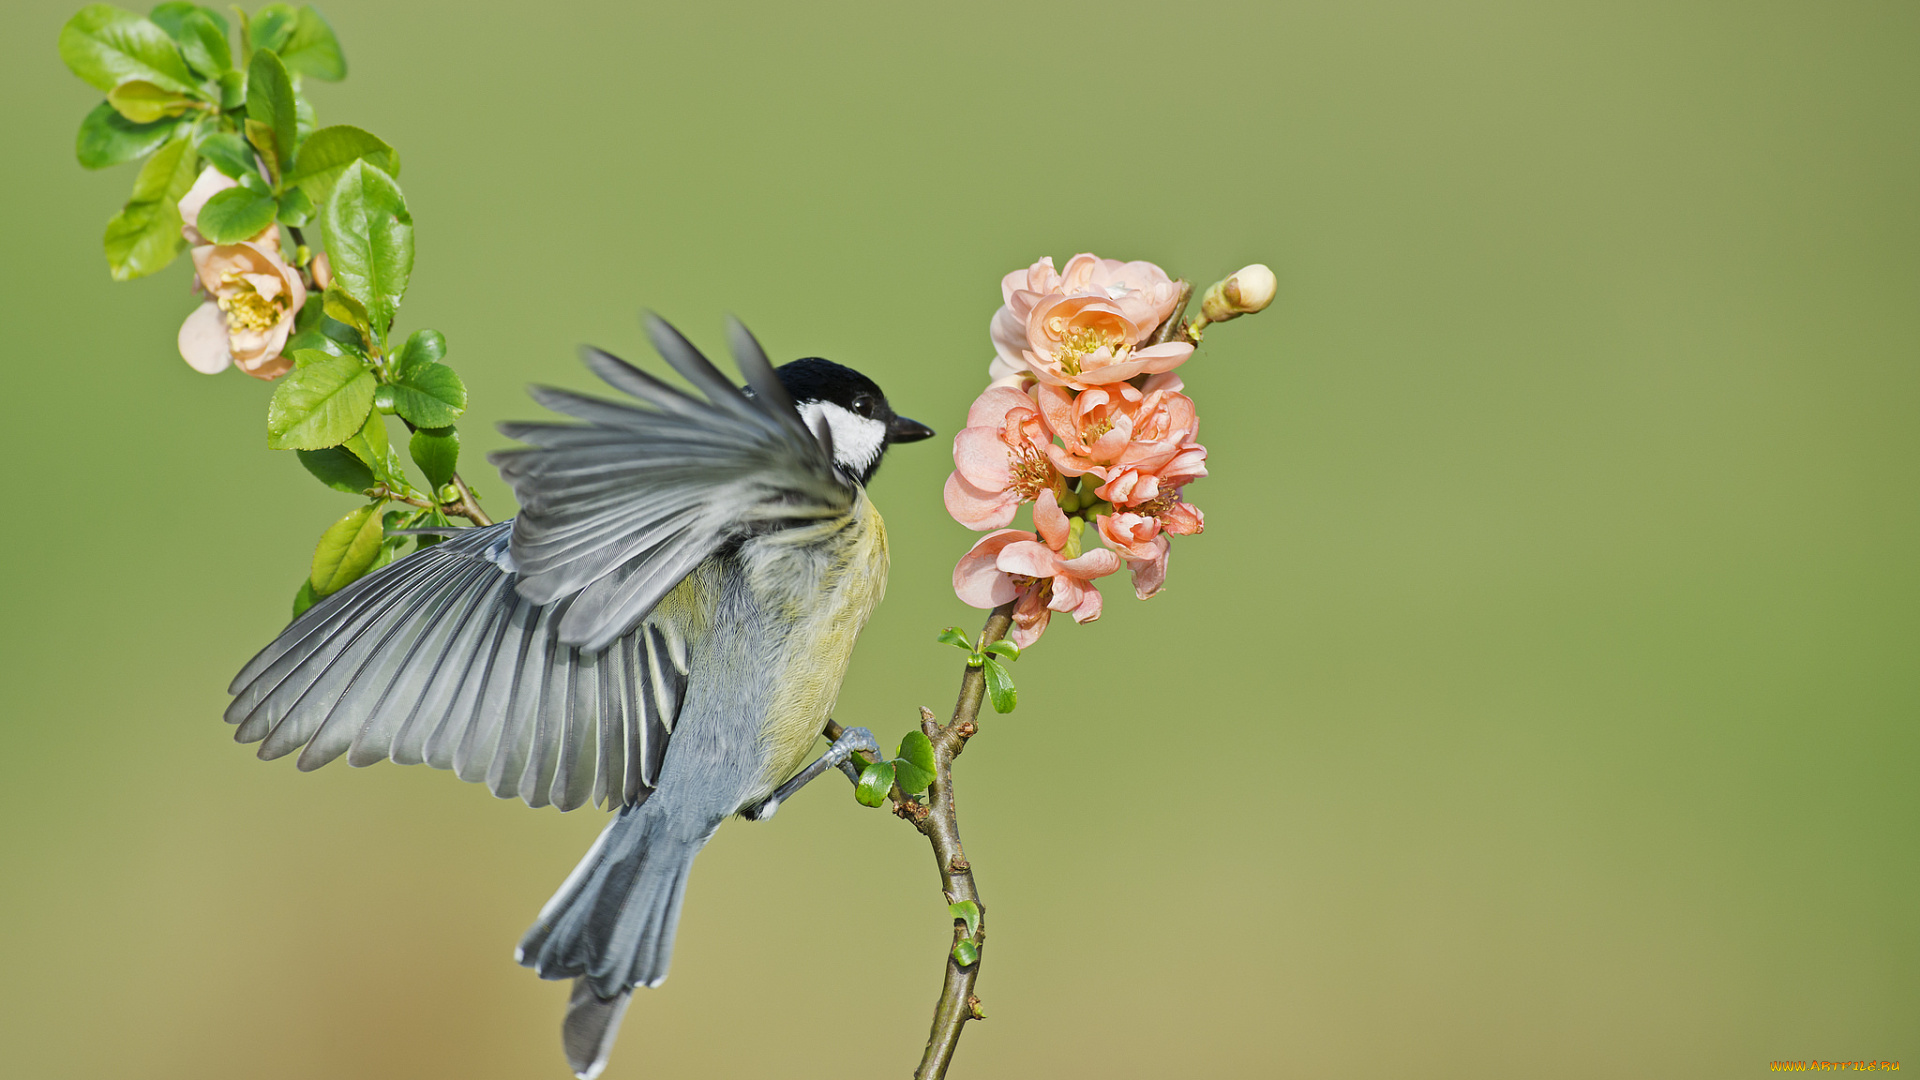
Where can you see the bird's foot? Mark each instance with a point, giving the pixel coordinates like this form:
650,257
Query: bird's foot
838,755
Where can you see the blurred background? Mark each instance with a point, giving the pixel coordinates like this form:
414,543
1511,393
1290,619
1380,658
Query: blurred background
1540,700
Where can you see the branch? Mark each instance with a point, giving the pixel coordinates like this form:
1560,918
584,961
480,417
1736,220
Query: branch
938,822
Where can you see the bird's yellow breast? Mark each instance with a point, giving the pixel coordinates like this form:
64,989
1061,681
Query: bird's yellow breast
824,585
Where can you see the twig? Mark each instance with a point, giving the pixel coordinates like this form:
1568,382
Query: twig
467,507
938,822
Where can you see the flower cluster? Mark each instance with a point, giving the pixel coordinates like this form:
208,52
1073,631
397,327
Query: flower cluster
1083,419
252,294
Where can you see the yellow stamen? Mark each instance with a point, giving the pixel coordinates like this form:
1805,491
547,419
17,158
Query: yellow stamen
246,309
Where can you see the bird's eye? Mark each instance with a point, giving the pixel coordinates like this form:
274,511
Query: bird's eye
864,406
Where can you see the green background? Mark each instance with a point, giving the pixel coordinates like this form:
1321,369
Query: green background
1539,702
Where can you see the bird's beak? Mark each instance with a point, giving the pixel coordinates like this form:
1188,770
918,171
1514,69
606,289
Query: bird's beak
901,430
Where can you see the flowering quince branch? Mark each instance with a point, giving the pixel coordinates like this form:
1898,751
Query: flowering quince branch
231,157
1084,420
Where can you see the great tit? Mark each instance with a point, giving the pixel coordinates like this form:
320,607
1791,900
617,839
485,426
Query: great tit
664,627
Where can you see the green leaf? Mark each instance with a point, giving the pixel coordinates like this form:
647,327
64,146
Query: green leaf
434,519
429,395
914,765
295,208
303,599
107,138
955,637
1000,687
437,452
370,241
312,49
145,235
107,46
345,310
346,550
338,469
875,781
1004,648
272,25
270,103
327,153
370,445
422,348
968,912
236,214
229,153
966,954
172,16
144,103
320,404
201,35
233,89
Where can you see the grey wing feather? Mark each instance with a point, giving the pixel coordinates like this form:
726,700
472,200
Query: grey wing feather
437,659
617,509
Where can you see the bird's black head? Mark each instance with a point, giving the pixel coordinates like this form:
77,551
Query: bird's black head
863,424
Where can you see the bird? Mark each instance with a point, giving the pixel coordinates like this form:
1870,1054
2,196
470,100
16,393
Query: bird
662,629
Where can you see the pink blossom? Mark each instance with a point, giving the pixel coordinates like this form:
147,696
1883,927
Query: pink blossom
1137,538
1086,325
1034,572
252,299
1000,459
252,295
1112,428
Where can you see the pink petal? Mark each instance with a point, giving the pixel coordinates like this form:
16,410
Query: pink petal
976,581
1150,574
977,509
990,409
203,340
982,458
210,182
1097,563
1029,558
1088,609
1048,518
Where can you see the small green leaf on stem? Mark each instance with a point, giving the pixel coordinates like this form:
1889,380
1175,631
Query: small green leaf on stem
1005,649
967,912
312,49
327,153
272,26
107,46
144,103
422,348
957,638
303,599
370,241
1000,689
295,208
270,103
437,452
107,138
320,404
346,550
233,89
201,35
966,954
145,235
429,395
370,445
875,781
236,214
347,311
229,153
337,468
914,765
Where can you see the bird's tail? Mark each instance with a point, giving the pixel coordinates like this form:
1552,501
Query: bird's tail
610,927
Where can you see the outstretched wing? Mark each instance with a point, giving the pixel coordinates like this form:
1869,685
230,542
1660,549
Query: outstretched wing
435,659
530,655
616,510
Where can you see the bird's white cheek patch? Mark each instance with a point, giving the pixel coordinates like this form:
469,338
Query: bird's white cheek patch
857,440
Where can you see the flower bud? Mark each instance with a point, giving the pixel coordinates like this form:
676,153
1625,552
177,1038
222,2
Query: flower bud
1245,291
322,271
